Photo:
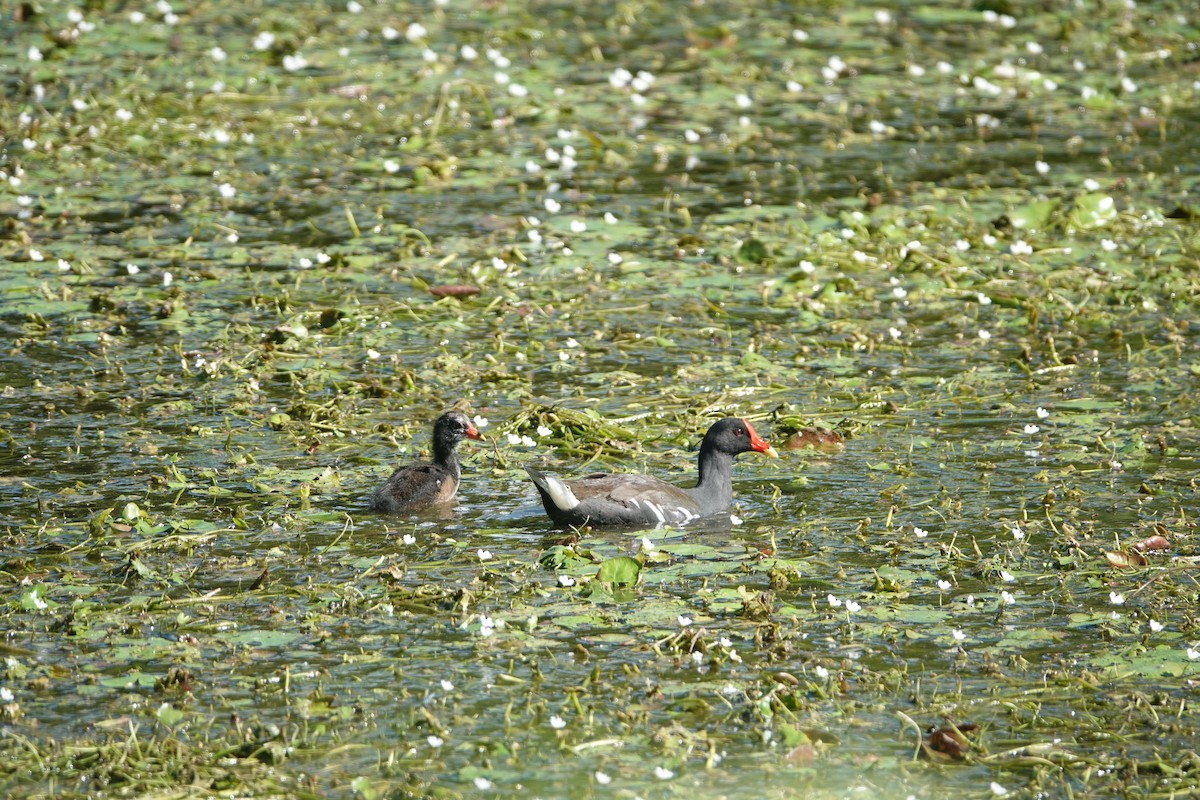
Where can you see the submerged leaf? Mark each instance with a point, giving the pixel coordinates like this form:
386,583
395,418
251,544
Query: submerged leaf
1125,559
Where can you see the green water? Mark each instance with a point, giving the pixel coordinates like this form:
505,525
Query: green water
966,238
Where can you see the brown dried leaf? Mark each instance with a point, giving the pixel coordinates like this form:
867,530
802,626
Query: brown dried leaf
802,754
822,439
454,290
949,743
1155,542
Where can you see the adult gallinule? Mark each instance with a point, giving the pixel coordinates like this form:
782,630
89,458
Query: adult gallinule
416,486
605,500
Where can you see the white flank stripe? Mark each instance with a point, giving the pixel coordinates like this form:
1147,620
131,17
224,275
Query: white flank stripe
561,494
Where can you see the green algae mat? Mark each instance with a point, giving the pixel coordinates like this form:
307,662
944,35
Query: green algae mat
945,256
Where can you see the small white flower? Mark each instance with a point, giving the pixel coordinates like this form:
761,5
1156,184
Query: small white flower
354,7
480,422
483,784
227,190
36,255
646,546
566,580
408,538
832,600
615,258
1021,248
468,53
557,722
528,441
264,40
684,621
1155,626
602,778
1116,598
6,694
1017,533
578,226
983,299
513,438
447,686
415,32
132,269
434,740
1042,167
985,334
294,62
64,265
391,166
217,54
920,533
958,635
167,278
1042,413
484,555
123,114
998,790
552,205
1007,576
853,607
34,54
1193,653
743,101
610,218
1007,598
663,774
517,90
542,430
1115,465
373,354
1108,245
800,35
1091,184
1032,429
943,585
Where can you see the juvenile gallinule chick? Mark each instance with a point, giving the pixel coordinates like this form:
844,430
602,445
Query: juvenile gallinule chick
417,486
605,500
